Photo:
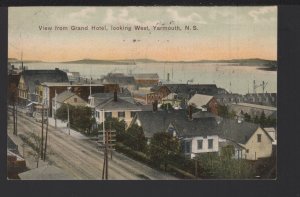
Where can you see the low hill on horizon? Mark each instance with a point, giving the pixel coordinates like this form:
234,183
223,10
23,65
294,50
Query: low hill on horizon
241,62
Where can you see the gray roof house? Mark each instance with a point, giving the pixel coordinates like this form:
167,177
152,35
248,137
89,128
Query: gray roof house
115,105
255,142
158,121
205,133
67,97
190,89
30,79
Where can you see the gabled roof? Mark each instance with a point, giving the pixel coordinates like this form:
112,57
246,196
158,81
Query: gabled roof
204,114
200,100
100,98
238,132
120,104
159,121
64,96
33,78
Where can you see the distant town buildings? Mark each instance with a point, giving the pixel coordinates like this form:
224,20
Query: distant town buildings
31,79
204,103
121,79
184,91
253,109
136,98
146,79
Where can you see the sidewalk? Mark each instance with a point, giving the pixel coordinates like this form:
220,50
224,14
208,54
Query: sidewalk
62,126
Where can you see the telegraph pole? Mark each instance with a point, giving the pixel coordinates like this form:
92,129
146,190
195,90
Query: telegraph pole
196,168
45,151
104,170
55,108
68,118
14,118
42,141
17,118
106,156
107,144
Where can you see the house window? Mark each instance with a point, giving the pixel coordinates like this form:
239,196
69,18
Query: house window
200,144
97,114
75,100
258,137
247,151
121,114
108,114
210,143
132,114
187,147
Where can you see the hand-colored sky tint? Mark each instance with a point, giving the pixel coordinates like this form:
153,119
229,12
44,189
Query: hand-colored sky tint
224,33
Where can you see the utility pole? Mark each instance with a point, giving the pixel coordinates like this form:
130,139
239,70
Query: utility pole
42,141
196,168
106,156
68,118
45,151
106,144
14,118
17,118
55,108
104,137
103,168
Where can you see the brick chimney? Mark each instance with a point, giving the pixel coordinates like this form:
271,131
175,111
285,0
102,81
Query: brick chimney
115,96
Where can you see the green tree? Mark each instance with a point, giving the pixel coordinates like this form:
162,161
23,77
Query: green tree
163,146
166,106
223,111
62,112
224,166
227,152
262,119
231,114
247,117
256,120
80,117
36,144
135,138
273,122
115,124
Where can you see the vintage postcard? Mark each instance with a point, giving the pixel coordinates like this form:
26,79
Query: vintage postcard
142,93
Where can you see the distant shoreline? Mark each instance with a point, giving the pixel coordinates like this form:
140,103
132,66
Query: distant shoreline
269,64
268,68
